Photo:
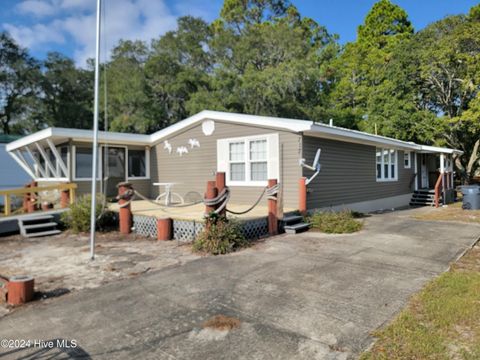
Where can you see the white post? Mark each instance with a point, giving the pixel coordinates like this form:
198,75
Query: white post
95,136
414,156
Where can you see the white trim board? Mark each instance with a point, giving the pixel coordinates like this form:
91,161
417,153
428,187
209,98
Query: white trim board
306,127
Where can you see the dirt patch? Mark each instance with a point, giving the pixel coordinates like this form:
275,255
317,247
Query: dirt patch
453,212
61,264
222,322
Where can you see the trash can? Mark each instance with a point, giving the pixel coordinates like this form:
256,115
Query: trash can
471,197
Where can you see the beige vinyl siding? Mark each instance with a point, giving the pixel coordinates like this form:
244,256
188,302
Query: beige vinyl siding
348,174
191,171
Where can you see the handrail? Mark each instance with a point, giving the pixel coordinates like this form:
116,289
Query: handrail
437,189
26,190
7,193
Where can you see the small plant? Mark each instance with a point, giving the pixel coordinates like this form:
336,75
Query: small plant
342,222
221,236
78,218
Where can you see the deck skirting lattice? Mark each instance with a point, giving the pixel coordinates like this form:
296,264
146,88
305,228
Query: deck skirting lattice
188,230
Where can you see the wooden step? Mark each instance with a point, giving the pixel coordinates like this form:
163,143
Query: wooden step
292,219
42,233
293,229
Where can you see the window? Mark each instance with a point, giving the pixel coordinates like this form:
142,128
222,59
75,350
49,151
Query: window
406,160
386,162
137,163
83,163
248,160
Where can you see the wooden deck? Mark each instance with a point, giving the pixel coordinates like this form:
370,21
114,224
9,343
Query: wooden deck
195,212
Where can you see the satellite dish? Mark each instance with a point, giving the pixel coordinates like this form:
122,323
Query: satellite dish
314,167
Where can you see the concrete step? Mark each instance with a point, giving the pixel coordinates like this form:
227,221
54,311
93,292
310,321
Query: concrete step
293,229
41,225
418,203
35,218
425,191
292,219
42,233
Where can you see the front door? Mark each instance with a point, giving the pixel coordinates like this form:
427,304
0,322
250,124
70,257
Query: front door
114,169
424,172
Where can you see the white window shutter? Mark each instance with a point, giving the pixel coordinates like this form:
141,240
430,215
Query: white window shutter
222,155
273,157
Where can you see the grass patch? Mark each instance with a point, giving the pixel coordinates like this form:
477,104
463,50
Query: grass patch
440,322
452,212
342,222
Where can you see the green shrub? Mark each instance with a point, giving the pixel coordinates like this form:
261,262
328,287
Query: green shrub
223,236
336,222
78,218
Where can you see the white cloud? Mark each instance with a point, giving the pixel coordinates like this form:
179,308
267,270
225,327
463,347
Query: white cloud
36,35
74,20
36,7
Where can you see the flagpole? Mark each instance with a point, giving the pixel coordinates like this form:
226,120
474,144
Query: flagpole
93,216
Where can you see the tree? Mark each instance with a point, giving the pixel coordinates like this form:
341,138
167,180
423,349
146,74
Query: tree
178,67
267,60
362,81
128,106
19,76
67,94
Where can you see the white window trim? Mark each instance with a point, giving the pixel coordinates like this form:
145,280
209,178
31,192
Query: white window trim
382,167
74,165
409,153
272,164
100,164
147,166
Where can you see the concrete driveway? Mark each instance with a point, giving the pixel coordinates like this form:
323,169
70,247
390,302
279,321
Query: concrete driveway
310,296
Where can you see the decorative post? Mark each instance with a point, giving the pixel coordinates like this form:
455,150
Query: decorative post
165,229
64,198
220,185
302,195
125,193
272,210
32,198
211,193
26,199
20,290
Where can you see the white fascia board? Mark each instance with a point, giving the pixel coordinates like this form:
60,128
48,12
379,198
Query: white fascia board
79,135
29,139
353,136
439,150
256,120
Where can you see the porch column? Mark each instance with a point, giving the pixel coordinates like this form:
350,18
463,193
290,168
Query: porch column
442,174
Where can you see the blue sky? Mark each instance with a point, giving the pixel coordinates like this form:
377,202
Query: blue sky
68,26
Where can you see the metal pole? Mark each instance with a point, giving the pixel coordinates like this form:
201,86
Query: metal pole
93,216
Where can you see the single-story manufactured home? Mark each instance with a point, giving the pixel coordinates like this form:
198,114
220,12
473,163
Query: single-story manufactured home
359,170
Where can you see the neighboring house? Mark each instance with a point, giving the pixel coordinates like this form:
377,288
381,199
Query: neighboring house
358,170
11,175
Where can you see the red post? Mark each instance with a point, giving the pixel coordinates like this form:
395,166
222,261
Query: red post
125,211
64,198
165,229
272,211
220,185
302,195
26,199
32,198
20,290
211,193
